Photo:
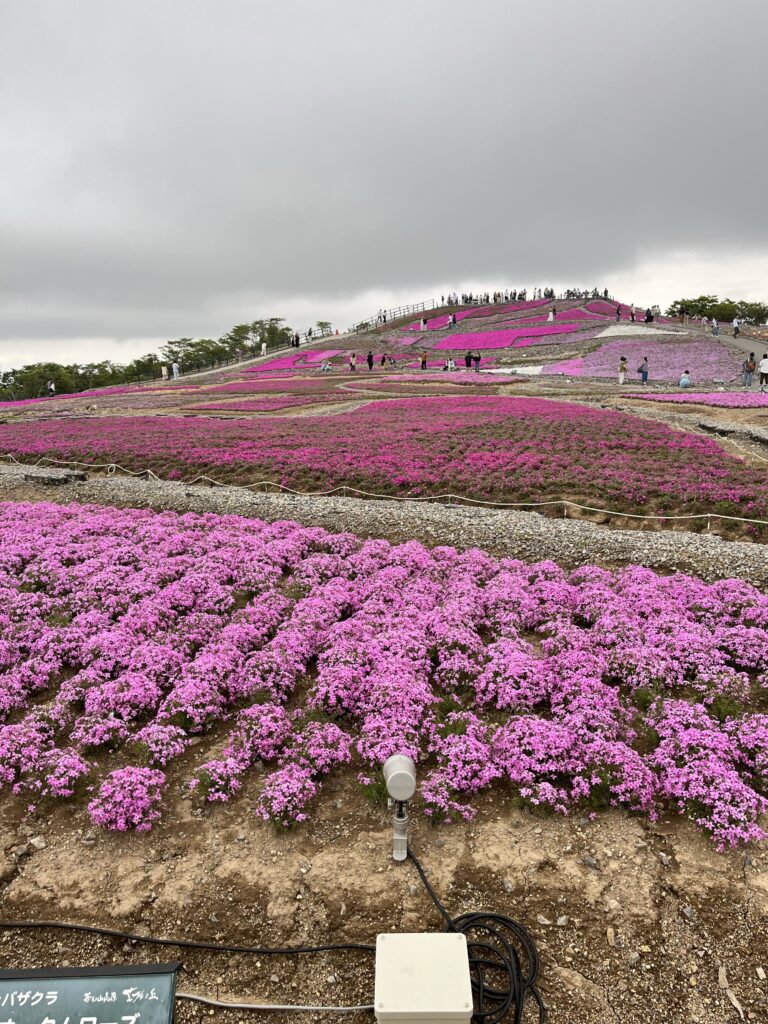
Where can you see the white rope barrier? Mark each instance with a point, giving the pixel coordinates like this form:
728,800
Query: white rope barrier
346,489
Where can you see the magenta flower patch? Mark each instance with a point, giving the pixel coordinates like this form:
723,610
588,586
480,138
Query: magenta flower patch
291,653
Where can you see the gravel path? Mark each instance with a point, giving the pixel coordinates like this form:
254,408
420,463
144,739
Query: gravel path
525,535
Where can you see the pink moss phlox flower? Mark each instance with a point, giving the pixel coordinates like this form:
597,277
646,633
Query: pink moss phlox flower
129,798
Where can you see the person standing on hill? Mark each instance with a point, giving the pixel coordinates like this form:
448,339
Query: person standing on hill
763,368
383,359
423,360
622,370
648,316
618,313
643,370
715,327
369,360
747,369
476,360
468,360
353,363
632,314
175,370
736,325
423,323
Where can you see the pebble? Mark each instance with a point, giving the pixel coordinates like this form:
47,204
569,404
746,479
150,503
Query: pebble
38,843
502,531
589,862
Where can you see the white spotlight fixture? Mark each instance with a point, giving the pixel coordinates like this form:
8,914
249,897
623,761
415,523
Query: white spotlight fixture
400,777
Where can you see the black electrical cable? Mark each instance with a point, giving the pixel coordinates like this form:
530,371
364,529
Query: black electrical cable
491,943
500,983
186,943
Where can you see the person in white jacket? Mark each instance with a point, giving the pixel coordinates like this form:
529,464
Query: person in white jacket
763,369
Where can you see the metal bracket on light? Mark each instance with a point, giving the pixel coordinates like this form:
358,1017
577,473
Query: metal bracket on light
400,778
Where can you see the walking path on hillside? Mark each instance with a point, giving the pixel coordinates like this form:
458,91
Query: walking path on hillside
525,535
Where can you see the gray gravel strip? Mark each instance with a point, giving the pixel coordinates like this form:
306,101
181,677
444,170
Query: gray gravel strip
525,535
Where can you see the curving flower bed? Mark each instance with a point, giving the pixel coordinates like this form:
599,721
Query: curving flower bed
126,634
437,323
309,358
488,447
732,400
707,360
272,403
518,337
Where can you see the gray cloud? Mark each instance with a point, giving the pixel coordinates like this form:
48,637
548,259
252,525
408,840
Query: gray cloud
163,164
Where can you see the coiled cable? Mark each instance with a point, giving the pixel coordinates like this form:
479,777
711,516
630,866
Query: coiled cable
501,984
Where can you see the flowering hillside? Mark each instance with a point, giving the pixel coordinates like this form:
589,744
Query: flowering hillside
489,447
128,633
706,358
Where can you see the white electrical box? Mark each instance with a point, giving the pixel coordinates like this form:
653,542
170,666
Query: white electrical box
422,977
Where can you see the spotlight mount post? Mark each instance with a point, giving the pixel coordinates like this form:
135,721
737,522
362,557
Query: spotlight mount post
400,777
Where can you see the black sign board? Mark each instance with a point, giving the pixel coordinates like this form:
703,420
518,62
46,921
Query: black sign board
136,994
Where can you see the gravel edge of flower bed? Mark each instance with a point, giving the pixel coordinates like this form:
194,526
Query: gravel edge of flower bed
529,536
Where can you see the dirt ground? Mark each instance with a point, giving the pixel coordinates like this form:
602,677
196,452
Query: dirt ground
635,921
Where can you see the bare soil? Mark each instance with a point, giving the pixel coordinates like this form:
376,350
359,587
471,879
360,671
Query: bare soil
633,920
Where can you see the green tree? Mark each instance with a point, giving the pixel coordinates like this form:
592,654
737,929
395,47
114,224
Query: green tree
723,310
176,351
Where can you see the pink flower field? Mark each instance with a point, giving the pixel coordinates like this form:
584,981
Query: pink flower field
732,400
309,358
127,635
519,337
707,359
489,447
272,403
437,323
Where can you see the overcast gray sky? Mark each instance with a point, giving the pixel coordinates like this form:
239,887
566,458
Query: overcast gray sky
172,167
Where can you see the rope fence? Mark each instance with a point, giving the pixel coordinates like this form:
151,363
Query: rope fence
346,490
